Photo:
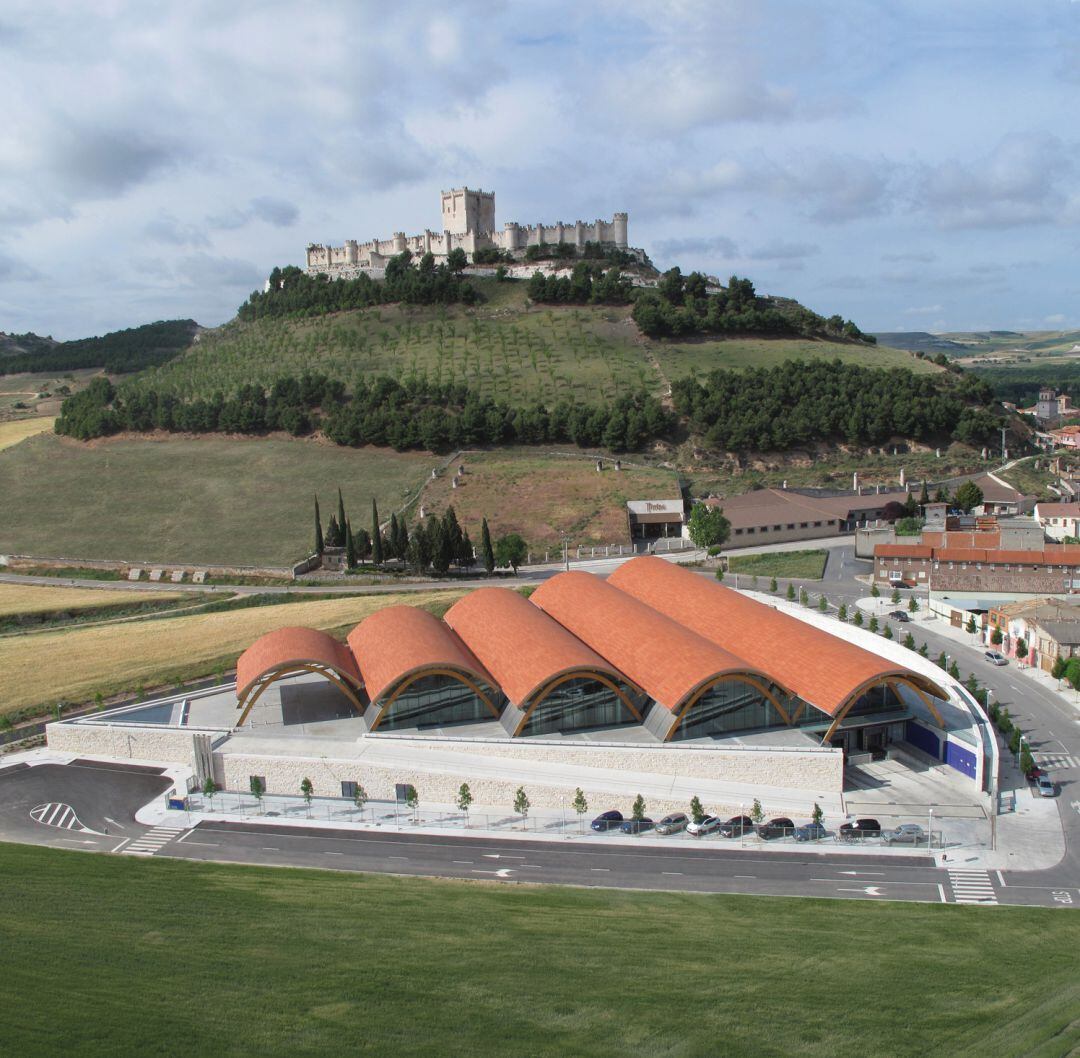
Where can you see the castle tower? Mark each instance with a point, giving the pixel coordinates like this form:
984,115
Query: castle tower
510,235
621,223
464,210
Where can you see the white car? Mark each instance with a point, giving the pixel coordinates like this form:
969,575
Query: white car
996,658
1044,785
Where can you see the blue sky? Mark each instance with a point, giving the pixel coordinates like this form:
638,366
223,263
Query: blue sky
909,165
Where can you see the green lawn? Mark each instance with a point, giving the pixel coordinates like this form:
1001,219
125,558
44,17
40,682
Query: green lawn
801,565
211,500
110,955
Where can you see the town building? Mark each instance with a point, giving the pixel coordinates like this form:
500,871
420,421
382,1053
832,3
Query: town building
468,224
1051,407
1066,437
1059,520
653,519
1048,627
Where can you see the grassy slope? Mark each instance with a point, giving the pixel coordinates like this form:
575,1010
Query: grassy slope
18,430
28,599
500,347
73,664
805,565
204,500
541,496
236,960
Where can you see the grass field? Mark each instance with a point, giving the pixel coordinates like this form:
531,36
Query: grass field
15,431
211,500
801,565
17,599
542,496
73,665
157,956
504,348
37,393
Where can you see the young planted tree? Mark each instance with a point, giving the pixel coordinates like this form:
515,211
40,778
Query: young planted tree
804,597
823,604
1021,649
521,805
209,788
895,597
757,813
320,545
257,788
464,799
970,627
487,553
875,591
307,790
376,536
954,670
909,641
996,636
719,573
857,620
772,584
581,806
697,813
360,798
873,625
791,593
638,811
942,661
842,611
412,799
913,605
1058,671
817,815
924,650
888,633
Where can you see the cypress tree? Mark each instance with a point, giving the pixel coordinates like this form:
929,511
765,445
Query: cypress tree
452,530
341,519
376,536
487,553
403,533
924,496
333,532
319,545
392,538
350,547
465,556
442,551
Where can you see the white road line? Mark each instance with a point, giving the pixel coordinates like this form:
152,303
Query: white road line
746,877
56,810
267,848
203,844
1001,879
606,870
672,874
463,863
328,853
121,845
941,893
406,858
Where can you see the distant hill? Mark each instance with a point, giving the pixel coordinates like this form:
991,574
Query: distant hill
118,352
921,341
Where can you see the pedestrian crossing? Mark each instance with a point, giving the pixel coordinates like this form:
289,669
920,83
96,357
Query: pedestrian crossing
1050,761
151,842
972,887
59,815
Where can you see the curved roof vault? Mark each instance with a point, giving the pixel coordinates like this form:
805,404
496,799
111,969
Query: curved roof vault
289,648
663,657
521,646
402,641
822,669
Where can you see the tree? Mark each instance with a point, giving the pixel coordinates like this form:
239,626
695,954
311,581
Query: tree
333,532
464,799
638,811
996,636
456,259
772,584
1027,761
510,550
1059,666
804,597
875,591
941,496
342,520
954,670
307,790
895,597
873,625
757,814
1021,649
257,787
209,788
913,605
823,604
350,547
909,641
521,804
412,799
487,553
791,593
970,627
697,813
708,527
888,634
967,496
719,573
360,798
924,496
817,815
842,611
924,651
857,620
376,536
942,660
580,805
320,546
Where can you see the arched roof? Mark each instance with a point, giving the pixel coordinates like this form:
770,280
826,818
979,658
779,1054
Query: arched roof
660,655
520,645
288,648
401,641
819,667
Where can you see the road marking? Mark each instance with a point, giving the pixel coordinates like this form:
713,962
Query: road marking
941,893
205,844
672,874
606,870
880,874
463,863
870,890
269,848
154,840
747,877
328,853
972,886
121,845
502,872
119,826
59,815
397,857
1001,879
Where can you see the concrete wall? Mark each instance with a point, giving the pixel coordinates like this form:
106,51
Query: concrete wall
133,742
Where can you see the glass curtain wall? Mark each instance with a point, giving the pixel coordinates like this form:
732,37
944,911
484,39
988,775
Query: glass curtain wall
728,707
436,701
578,705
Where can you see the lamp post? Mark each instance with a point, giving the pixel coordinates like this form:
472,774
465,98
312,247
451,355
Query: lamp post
1020,749
930,835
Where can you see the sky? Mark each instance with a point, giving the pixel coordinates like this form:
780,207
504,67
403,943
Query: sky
911,166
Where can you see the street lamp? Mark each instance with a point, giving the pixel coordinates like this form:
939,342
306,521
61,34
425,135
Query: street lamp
930,834
1020,749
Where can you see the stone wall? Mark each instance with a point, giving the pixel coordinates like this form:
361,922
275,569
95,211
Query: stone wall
133,742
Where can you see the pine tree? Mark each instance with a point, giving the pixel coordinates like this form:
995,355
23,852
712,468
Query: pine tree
487,553
466,557
376,536
924,496
319,544
452,531
350,547
442,552
333,532
403,537
392,538
341,519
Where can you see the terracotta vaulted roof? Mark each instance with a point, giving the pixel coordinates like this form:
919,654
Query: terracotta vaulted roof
820,668
293,646
402,641
520,645
661,656
902,551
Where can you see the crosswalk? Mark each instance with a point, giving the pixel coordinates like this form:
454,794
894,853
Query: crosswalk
1052,761
151,842
972,886
59,815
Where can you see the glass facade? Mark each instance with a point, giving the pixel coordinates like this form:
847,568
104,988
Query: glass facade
727,707
879,699
578,705
436,701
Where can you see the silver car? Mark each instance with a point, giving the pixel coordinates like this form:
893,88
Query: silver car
995,657
905,834
1045,786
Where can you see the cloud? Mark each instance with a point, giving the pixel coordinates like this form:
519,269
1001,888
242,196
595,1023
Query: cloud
201,270
167,229
783,251
916,257
12,270
1057,317
274,211
101,163
923,310
698,246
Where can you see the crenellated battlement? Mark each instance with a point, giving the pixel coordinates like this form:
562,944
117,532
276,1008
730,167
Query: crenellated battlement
468,224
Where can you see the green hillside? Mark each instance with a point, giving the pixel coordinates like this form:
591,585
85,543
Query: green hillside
502,347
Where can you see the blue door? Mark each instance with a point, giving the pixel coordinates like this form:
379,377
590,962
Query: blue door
963,760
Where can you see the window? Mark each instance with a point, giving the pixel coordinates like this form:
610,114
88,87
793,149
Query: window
791,525
804,525
817,525
348,790
777,528
738,532
750,531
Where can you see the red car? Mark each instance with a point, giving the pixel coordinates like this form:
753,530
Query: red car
1034,772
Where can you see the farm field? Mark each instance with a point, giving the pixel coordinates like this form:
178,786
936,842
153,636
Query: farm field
503,347
14,431
73,665
385,966
541,497
209,500
803,565
24,389
17,599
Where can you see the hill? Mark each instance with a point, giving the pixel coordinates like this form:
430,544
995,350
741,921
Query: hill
920,341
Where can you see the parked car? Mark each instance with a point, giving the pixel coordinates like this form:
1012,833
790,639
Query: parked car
995,657
899,615
1033,773
810,832
780,827
860,828
637,826
673,823
905,834
736,826
1044,786
707,826
607,820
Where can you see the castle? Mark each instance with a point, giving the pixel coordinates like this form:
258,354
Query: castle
468,223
